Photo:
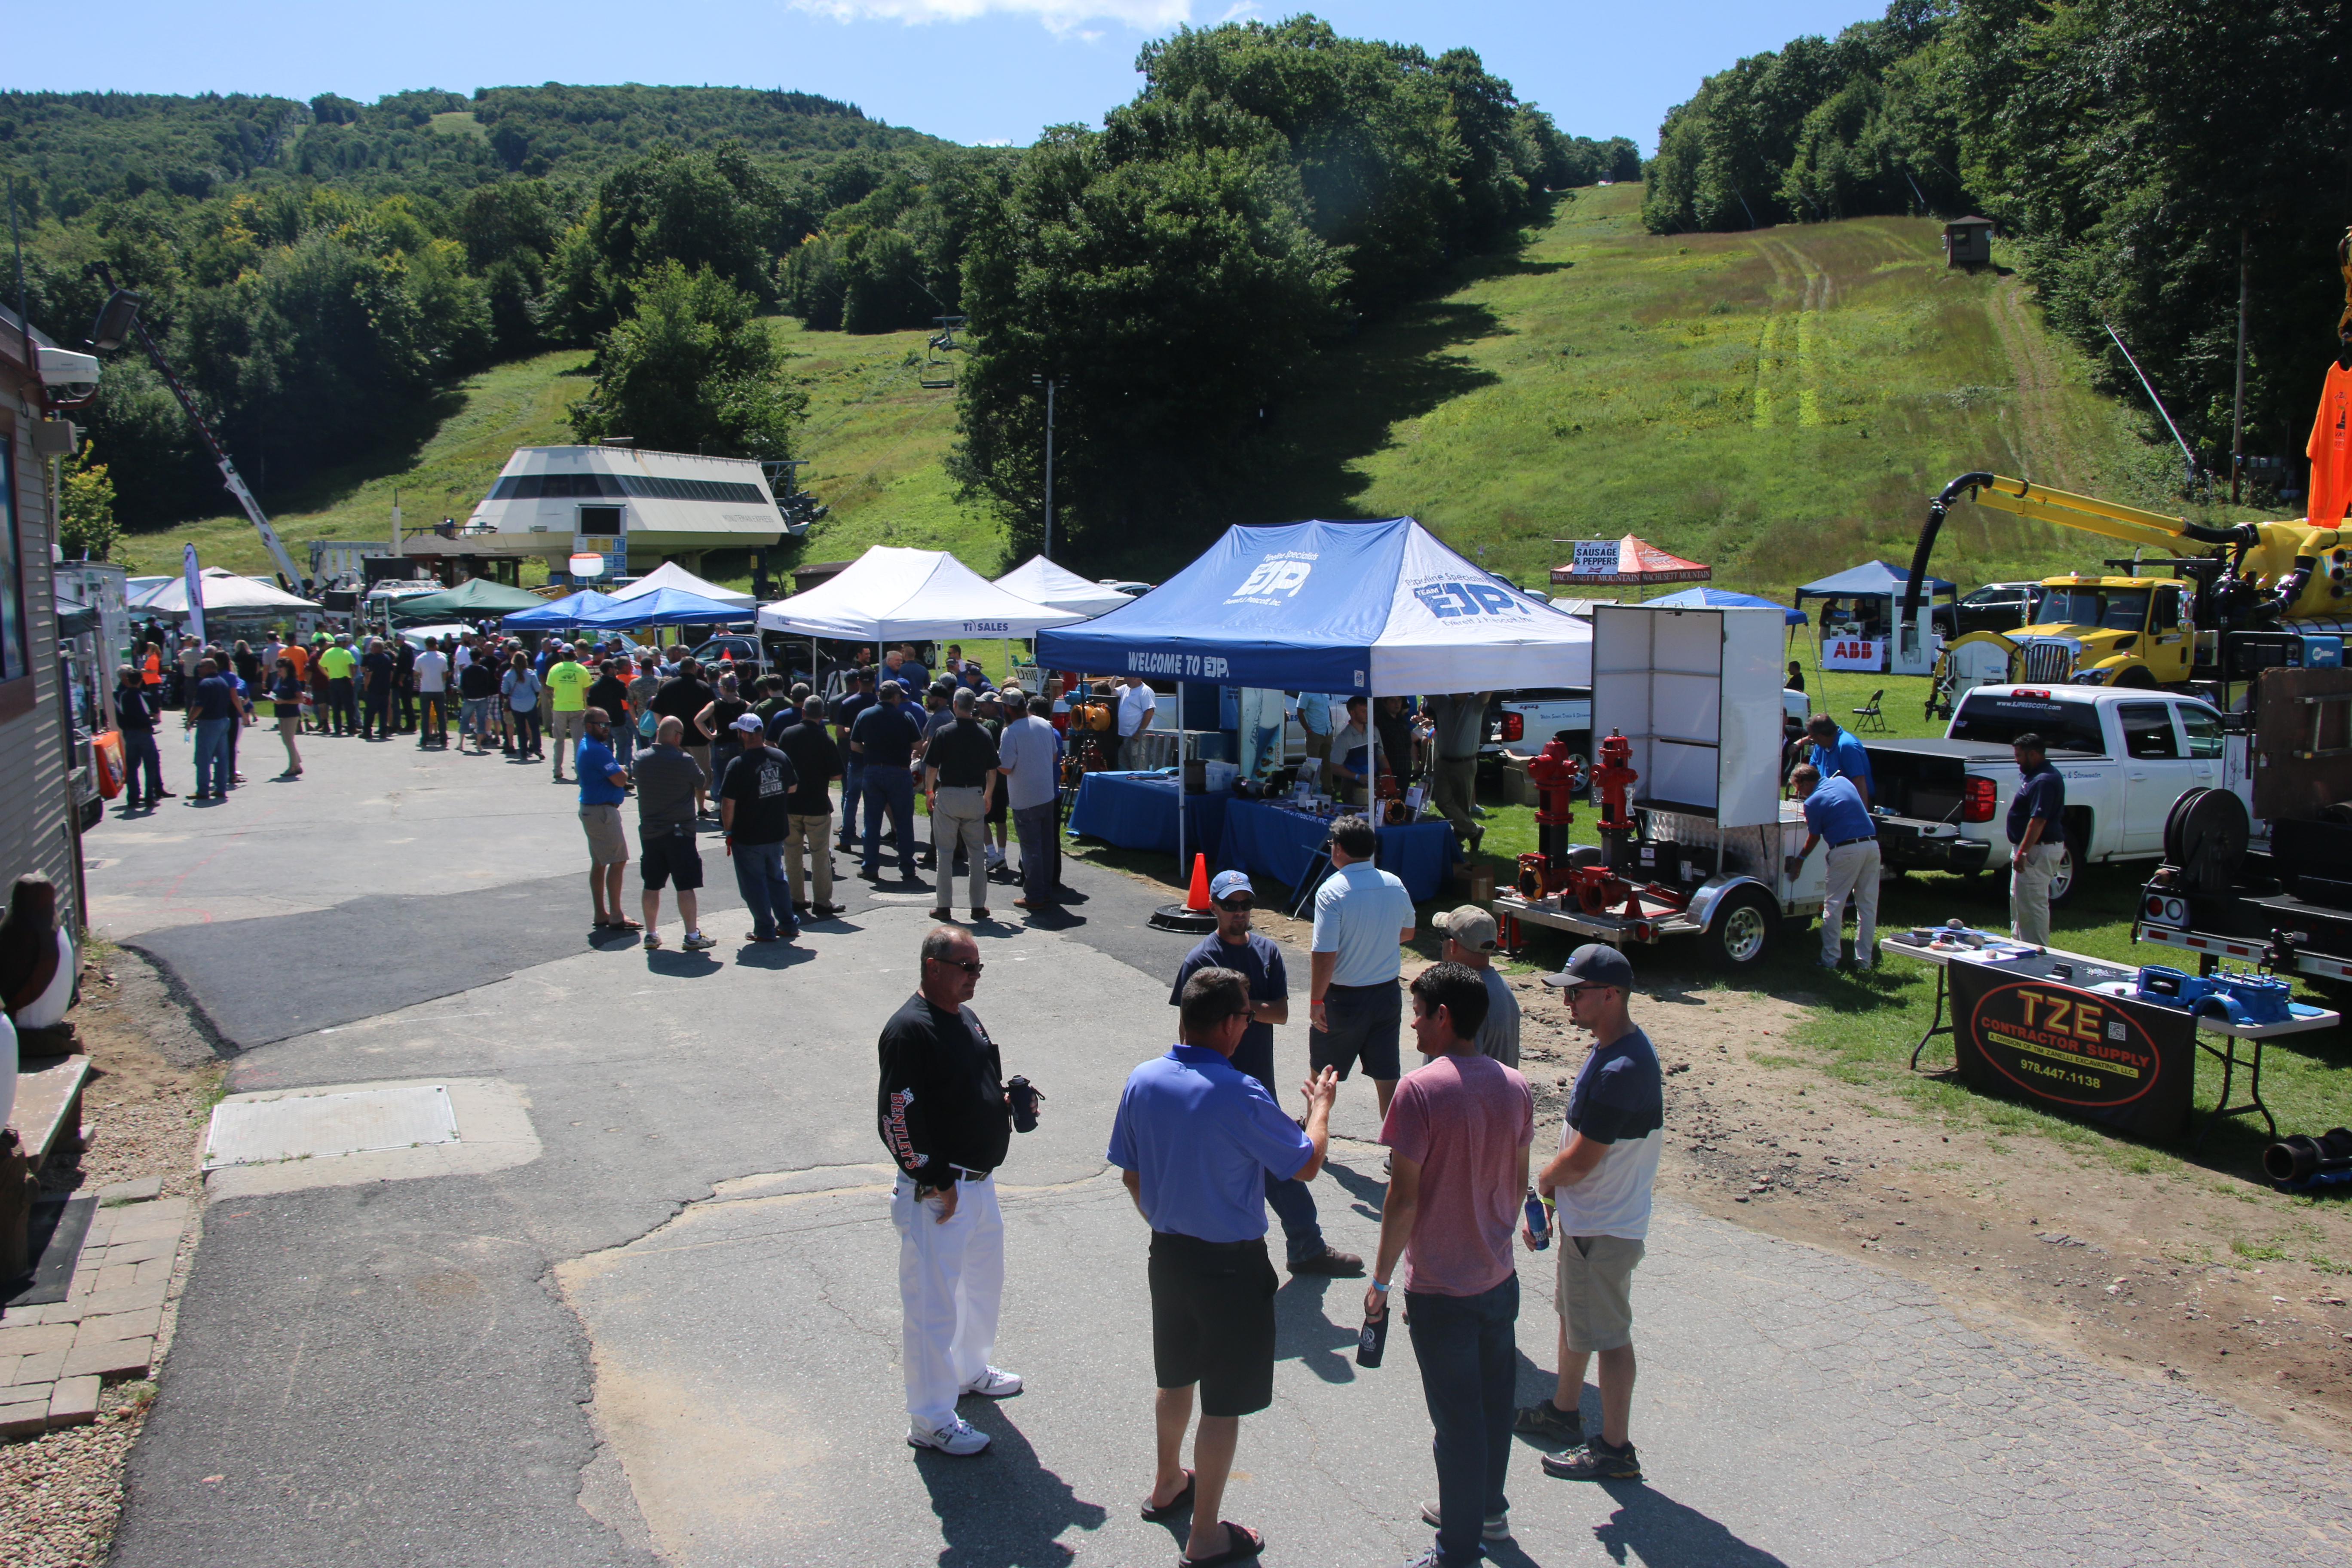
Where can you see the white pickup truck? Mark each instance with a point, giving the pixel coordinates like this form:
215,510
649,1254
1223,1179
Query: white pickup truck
2127,756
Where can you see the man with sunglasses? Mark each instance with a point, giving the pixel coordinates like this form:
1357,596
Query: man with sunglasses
1258,961
945,1118
1599,1182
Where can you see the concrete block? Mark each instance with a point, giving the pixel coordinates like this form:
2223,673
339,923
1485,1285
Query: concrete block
119,1251
24,1420
129,1299
42,1366
74,1403
132,1192
118,1326
35,1337
130,1230
111,1358
24,1317
118,1277
153,1271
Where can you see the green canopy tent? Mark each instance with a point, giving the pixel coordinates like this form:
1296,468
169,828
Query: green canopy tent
469,601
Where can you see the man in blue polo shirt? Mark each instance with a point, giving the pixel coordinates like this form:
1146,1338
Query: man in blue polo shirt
1834,813
1232,945
2037,838
1196,1138
1838,756
603,785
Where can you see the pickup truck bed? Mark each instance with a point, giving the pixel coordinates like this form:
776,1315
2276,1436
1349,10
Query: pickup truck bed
1919,787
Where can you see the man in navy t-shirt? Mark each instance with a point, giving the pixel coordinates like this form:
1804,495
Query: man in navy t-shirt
1257,960
2037,839
212,712
1599,1183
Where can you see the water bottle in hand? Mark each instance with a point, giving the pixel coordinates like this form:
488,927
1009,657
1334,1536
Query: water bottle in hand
1539,1223
1373,1342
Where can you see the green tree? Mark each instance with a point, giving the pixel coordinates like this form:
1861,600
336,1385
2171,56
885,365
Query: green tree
691,371
1176,297
85,527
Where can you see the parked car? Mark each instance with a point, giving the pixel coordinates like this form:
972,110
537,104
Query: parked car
2127,756
749,658
1995,608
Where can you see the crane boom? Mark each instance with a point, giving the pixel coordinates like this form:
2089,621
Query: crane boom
230,478
2091,515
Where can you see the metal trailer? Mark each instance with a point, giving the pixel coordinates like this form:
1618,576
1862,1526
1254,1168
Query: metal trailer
1686,701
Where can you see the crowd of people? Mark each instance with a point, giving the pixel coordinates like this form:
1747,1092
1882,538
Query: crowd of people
1205,1148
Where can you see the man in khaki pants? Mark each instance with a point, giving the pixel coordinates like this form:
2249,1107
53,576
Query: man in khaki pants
2037,838
808,843
959,778
1834,814
1458,726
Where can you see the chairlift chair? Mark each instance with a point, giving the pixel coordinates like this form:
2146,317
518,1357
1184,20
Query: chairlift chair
938,372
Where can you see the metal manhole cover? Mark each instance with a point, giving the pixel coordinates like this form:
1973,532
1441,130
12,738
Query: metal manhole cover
263,1131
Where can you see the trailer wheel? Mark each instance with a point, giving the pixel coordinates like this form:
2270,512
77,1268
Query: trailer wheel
1741,932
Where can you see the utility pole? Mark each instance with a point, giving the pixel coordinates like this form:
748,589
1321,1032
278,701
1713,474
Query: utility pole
2238,408
1049,383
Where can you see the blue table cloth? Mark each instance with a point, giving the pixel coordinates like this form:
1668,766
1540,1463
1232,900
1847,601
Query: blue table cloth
1280,843
1137,811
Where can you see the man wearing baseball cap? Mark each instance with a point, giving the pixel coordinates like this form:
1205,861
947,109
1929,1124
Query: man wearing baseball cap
1257,960
755,811
1471,941
1600,1184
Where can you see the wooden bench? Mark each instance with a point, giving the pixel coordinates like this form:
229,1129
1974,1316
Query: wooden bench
46,1122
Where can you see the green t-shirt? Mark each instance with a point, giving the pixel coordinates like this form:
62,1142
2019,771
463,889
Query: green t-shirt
339,662
568,684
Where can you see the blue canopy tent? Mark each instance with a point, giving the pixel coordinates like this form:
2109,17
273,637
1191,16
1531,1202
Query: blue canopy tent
663,607
1718,598
1871,580
556,613
1373,607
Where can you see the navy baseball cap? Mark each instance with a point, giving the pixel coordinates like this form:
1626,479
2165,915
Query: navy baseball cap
1594,963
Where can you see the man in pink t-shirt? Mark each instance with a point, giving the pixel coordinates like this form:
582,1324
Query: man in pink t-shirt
1457,1132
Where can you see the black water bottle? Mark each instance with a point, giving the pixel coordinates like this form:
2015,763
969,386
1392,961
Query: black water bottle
1024,1096
1373,1342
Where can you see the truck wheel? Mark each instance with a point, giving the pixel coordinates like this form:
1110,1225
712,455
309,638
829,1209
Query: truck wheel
2135,678
1741,932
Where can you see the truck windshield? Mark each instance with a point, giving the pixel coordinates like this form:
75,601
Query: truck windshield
2111,609
2000,718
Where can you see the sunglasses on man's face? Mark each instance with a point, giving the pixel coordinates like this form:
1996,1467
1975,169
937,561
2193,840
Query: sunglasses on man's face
1243,905
969,965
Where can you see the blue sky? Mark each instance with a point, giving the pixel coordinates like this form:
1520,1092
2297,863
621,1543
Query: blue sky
971,70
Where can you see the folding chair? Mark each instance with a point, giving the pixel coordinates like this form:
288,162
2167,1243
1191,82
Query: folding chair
1869,714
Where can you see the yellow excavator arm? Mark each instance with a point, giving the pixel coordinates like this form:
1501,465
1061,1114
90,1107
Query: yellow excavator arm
2091,515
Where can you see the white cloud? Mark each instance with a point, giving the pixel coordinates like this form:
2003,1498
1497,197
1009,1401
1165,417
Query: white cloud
1059,16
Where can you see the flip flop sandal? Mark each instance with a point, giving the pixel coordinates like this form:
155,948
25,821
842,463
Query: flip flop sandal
1178,1504
1246,1543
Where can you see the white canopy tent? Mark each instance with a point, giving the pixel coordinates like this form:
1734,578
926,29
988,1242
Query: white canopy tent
893,595
1041,582
670,575
224,593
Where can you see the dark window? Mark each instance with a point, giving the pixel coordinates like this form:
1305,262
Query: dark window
15,631
599,520
2064,726
558,486
2147,731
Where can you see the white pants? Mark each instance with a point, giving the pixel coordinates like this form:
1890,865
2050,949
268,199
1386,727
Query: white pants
950,1283
1853,874
2028,893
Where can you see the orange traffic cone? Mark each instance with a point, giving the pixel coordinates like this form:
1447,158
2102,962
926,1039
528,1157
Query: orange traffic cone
1197,900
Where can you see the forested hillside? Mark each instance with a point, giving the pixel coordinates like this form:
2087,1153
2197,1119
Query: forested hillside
2138,152
326,273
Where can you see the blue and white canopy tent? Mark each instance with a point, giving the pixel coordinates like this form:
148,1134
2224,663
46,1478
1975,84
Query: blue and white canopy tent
1719,598
663,607
556,613
1353,608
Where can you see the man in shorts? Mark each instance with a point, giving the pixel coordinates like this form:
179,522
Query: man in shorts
603,785
669,781
1600,1184
1470,940
567,681
1195,1139
1362,915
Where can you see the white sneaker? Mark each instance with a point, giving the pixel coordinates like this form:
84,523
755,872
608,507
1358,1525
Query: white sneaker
1495,1527
994,1383
958,1438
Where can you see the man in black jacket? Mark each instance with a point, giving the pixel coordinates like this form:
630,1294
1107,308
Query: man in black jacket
816,762
135,707
943,1116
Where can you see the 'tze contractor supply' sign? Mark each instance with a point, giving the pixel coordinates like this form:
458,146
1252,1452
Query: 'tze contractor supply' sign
1854,653
2106,1058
